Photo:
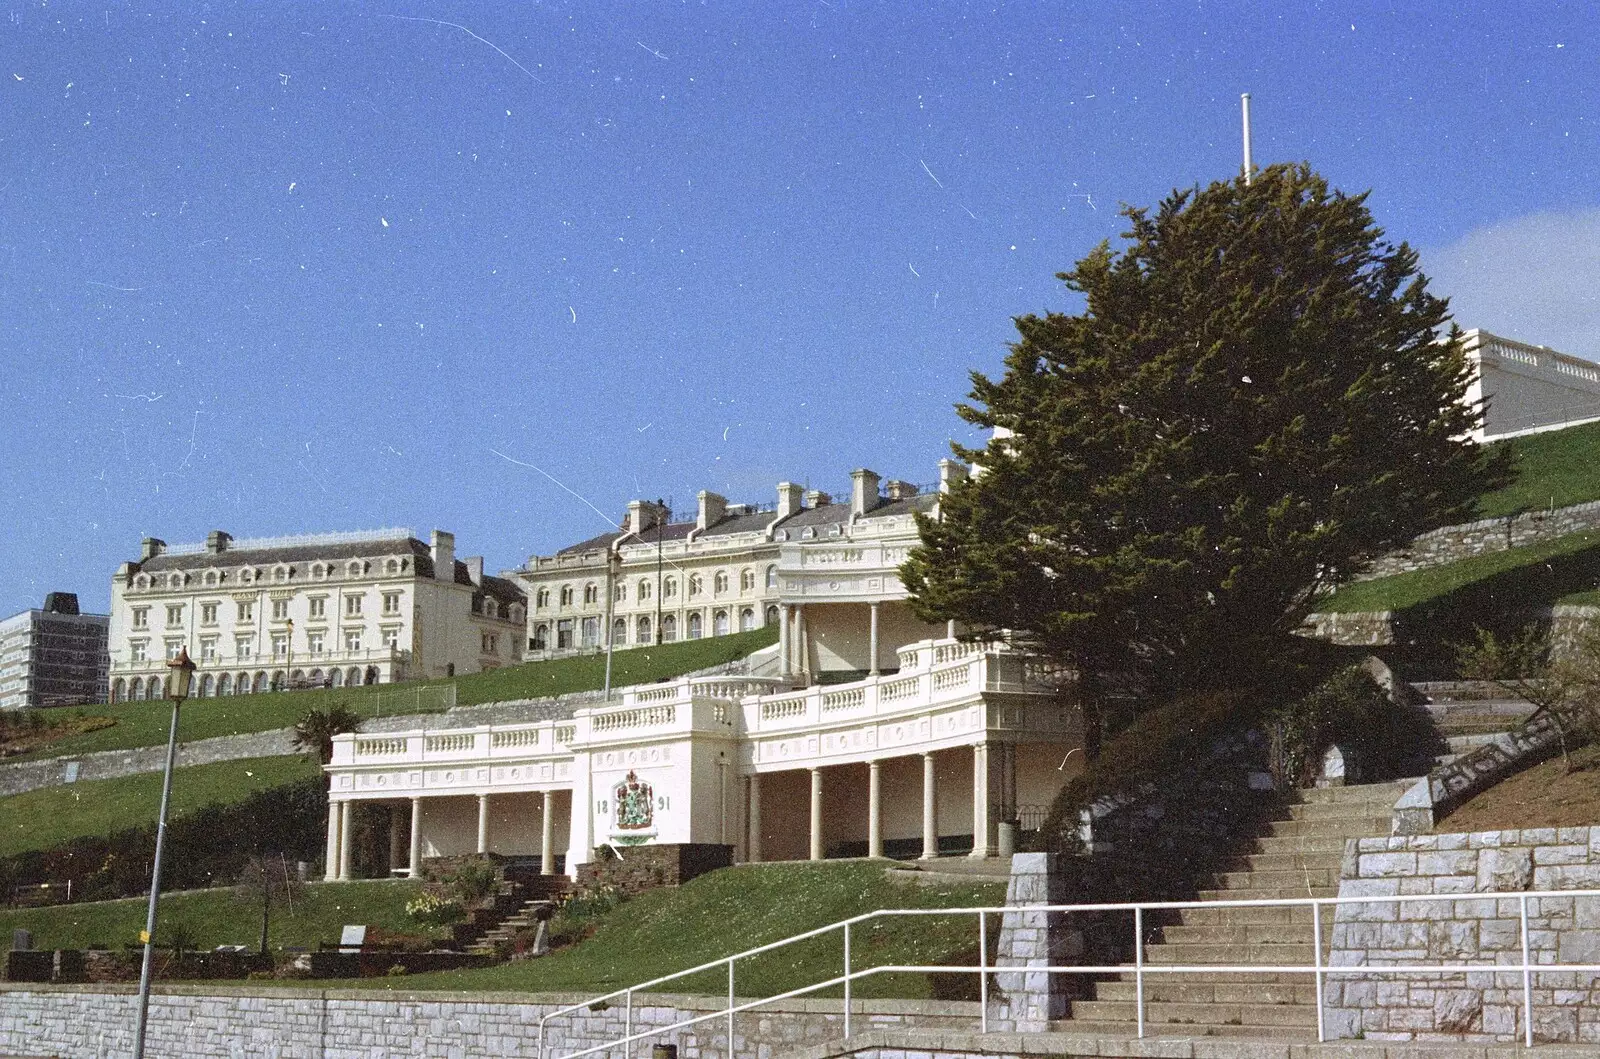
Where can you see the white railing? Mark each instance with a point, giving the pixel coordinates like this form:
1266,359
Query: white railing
1320,970
381,747
637,717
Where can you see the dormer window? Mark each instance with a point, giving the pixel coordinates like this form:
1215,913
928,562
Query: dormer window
141,582
211,577
280,573
355,568
318,571
392,567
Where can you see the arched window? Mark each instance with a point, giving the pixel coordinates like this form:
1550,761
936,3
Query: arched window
644,631
175,581
279,681
516,613
136,689
491,609
541,637
353,568
669,628
669,588
619,632
119,690
141,582
591,593
336,678
211,577
697,585
224,686
772,576
207,686
566,595
747,580
747,619
372,675
259,687
719,623
392,566
353,677
643,589
695,627
280,573
319,571
719,584
542,598
772,614
241,684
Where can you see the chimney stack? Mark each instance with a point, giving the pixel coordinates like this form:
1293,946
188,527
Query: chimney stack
816,498
442,547
895,489
863,491
950,472
711,509
151,547
474,569
788,499
218,541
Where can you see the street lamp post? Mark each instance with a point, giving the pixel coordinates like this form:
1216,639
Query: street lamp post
182,675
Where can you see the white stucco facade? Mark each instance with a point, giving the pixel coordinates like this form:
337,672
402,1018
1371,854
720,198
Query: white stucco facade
1529,388
324,610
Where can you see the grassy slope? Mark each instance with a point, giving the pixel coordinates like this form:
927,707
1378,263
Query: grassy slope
145,723
739,908
1554,469
217,918
1579,552
52,815
1546,795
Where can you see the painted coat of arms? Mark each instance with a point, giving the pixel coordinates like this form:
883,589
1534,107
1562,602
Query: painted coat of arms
635,806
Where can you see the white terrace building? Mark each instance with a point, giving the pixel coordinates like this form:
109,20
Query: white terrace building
916,744
1529,388
326,610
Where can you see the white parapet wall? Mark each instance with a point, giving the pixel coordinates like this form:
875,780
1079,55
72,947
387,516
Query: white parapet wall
1529,388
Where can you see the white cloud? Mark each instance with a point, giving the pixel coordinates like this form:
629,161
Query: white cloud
1533,278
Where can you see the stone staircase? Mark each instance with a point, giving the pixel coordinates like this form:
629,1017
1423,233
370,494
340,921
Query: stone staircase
517,907
1298,855
1469,713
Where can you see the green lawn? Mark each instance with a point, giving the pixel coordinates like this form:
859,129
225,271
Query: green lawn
1565,569
145,723
1555,469
52,815
738,908
216,917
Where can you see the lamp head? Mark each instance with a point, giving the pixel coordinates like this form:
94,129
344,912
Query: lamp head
182,674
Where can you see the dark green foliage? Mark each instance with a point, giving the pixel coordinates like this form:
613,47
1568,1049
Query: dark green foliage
1386,740
1254,402
315,731
208,847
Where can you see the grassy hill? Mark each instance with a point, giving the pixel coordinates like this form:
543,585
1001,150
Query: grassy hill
50,816
653,934
145,723
216,917
1554,469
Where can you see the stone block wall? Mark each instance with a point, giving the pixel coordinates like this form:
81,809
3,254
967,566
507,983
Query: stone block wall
1461,778
18,777
266,1023
1473,1006
1449,544
1036,939
638,868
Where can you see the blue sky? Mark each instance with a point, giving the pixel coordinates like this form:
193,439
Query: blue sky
278,268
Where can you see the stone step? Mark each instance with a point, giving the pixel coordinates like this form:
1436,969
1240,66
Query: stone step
1237,955
1085,1027
1305,877
1166,1013
1269,893
1200,917
1301,844
1289,861
1242,978
1243,933
1342,811
1184,990
1362,827
1359,792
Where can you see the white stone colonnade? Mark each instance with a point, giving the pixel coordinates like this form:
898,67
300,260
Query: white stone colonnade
408,831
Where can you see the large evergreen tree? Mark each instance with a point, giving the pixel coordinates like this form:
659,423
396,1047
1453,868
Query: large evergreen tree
1259,395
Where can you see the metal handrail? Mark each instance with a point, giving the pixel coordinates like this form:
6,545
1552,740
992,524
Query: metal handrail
1139,968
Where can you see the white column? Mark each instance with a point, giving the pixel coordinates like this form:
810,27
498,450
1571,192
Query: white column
547,835
580,844
330,864
983,844
801,648
930,814
785,665
415,864
816,814
722,802
396,838
872,639
483,823
754,854
874,808
345,857
950,629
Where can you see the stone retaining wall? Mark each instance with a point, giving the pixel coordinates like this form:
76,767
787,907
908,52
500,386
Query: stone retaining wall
1474,1006
20,776
1450,544
1480,768
219,1023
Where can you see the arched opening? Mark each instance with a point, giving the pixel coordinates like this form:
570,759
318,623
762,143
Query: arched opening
696,627
260,685
619,632
136,689
772,614
372,675
541,637
644,631
669,628
719,623
207,686
224,686
747,619
280,680
353,677
119,690
337,678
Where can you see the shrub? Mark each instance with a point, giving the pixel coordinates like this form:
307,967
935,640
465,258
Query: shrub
435,909
1350,710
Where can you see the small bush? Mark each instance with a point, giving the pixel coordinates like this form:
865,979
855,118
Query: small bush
1349,710
435,909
